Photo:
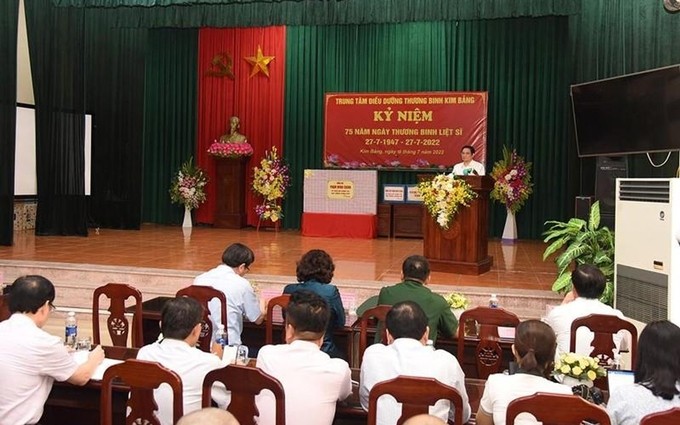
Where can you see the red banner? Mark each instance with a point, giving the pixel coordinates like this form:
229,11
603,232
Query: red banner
403,130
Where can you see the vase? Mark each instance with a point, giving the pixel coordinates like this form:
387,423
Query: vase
510,229
572,382
187,217
457,312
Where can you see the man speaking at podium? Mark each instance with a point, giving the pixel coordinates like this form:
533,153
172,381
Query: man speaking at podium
469,167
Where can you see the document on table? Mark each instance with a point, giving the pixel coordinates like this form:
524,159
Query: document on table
81,357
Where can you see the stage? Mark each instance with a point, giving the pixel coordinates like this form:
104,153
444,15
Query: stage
161,259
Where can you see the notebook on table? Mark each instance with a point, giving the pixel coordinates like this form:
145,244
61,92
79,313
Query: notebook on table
617,378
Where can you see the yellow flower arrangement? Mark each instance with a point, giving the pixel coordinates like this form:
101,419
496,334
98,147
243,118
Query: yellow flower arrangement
444,195
579,367
457,300
270,181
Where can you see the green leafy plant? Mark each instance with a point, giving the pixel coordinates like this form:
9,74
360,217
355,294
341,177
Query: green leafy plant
586,243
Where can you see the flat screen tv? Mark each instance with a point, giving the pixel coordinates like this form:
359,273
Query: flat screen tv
633,113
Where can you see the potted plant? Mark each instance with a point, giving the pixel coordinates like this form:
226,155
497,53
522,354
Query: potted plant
271,181
188,188
586,243
574,369
457,302
444,195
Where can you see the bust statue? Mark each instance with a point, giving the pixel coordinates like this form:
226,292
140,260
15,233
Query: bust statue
233,136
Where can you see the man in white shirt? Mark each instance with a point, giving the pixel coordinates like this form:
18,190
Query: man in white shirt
312,381
469,166
181,327
241,299
30,358
407,354
588,285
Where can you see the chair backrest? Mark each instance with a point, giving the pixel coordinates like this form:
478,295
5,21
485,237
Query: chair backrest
372,317
4,308
281,302
142,377
604,327
557,409
245,383
416,395
117,323
205,294
667,417
488,353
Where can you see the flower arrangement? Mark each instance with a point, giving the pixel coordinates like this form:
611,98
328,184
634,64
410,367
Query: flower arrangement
188,185
578,367
444,195
271,180
457,300
230,150
512,185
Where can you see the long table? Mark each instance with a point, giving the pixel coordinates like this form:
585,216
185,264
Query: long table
80,405
346,338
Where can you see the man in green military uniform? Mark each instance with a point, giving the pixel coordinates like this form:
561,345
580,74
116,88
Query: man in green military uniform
415,273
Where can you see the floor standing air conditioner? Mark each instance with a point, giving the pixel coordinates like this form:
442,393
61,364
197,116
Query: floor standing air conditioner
647,249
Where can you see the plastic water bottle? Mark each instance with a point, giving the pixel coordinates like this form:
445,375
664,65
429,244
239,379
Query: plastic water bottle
221,335
493,301
616,364
71,330
430,344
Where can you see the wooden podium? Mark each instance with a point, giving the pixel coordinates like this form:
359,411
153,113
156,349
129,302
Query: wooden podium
463,247
231,192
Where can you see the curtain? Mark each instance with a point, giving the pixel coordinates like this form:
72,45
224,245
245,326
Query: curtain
115,98
256,99
614,38
9,15
169,118
518,61
56,46
209,13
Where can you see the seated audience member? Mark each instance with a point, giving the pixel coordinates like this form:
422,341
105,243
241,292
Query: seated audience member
588,285
208,416
181,327
424,420
534,351
407,354
314,272
241,299
657,376
313,382
30,358
415,273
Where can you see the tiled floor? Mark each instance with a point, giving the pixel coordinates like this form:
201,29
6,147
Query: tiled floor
276,253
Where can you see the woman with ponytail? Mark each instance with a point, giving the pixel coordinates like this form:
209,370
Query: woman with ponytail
534,351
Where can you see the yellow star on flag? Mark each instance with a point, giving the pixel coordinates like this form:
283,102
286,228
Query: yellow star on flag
259,62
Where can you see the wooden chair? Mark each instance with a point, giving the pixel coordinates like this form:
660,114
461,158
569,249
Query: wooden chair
282,302
245,383
557,409
667,417
205,294
4,308
374,317
604,327
416,395
117,323
142,377
488,353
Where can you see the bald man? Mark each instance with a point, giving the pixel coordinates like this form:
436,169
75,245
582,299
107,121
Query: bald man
208,416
